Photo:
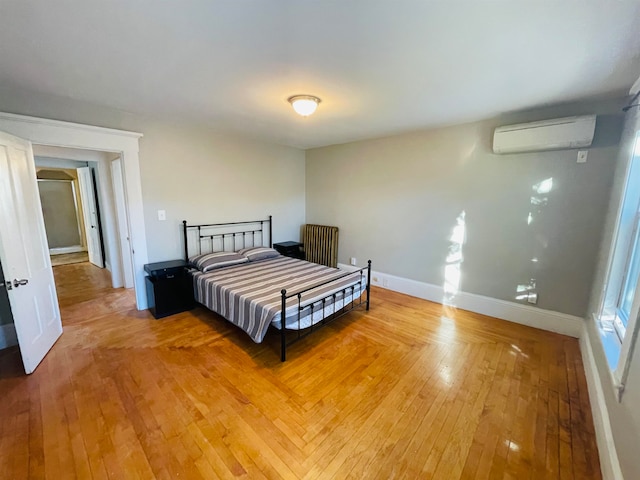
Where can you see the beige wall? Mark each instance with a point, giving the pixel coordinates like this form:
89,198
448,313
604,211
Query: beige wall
60,216
202,177
397,200
73,210
191,172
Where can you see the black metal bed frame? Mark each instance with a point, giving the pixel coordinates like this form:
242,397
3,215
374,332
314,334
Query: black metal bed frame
223,236
203,235
346,308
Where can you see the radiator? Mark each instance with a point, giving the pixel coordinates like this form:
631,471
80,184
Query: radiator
321,244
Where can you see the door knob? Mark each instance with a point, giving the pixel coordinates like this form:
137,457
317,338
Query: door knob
17,283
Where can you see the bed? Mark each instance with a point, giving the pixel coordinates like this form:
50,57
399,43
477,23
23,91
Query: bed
237,275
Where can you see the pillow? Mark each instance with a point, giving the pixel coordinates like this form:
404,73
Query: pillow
211,261
258,253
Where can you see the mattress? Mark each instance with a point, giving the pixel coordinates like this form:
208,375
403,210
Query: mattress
248,295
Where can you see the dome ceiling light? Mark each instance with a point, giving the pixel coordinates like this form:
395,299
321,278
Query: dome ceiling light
304,105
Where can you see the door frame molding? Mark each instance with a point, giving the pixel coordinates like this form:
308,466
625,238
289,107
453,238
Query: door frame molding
122,224
76,135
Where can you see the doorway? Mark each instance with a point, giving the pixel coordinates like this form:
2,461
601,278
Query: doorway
64,210
51,133
80,214
82,222
119,144
74,201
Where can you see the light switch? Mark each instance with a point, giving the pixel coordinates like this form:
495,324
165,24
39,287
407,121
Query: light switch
162,215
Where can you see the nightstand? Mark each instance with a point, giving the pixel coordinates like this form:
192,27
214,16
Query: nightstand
290,249
169,288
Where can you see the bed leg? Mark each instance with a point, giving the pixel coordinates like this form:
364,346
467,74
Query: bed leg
283,321
368,283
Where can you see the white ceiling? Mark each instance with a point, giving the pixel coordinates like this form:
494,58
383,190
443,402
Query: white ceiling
380,67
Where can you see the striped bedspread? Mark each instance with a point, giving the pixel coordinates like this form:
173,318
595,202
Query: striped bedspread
248,295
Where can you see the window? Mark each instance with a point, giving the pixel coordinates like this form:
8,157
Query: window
630,283
618,313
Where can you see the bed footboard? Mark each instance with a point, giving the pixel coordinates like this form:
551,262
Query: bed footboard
328,303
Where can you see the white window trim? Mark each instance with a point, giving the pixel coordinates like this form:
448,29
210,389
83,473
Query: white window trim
628,344
620,373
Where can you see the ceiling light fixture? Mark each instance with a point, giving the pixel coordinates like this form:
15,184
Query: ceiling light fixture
304,105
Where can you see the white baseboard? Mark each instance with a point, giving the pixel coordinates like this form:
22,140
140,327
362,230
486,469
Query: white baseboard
609,463
513,312
8,336
63,250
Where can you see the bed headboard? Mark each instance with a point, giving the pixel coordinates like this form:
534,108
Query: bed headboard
231,236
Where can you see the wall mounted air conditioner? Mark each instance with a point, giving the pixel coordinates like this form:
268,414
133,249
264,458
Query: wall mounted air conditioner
556,134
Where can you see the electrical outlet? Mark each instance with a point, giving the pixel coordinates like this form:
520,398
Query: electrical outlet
385,282
353,261
582,156
162,215
532,297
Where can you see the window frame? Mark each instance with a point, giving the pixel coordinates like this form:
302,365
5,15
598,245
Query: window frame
633,255
624,336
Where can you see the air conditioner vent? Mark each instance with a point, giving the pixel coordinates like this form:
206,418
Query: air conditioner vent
556,134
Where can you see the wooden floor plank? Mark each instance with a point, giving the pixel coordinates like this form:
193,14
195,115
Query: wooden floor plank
410,389
461,438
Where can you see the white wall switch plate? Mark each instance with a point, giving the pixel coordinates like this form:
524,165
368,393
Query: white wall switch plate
353,261
582,156
162,215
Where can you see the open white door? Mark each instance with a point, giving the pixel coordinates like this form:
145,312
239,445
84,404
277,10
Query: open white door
25,253
123,223
90,214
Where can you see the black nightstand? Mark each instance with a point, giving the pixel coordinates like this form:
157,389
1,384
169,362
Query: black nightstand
169,288
290,249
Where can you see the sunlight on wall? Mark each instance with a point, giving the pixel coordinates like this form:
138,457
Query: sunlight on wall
452,269
538,202
544,186
539,199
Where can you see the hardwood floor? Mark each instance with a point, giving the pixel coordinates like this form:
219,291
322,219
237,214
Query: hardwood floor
410,389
